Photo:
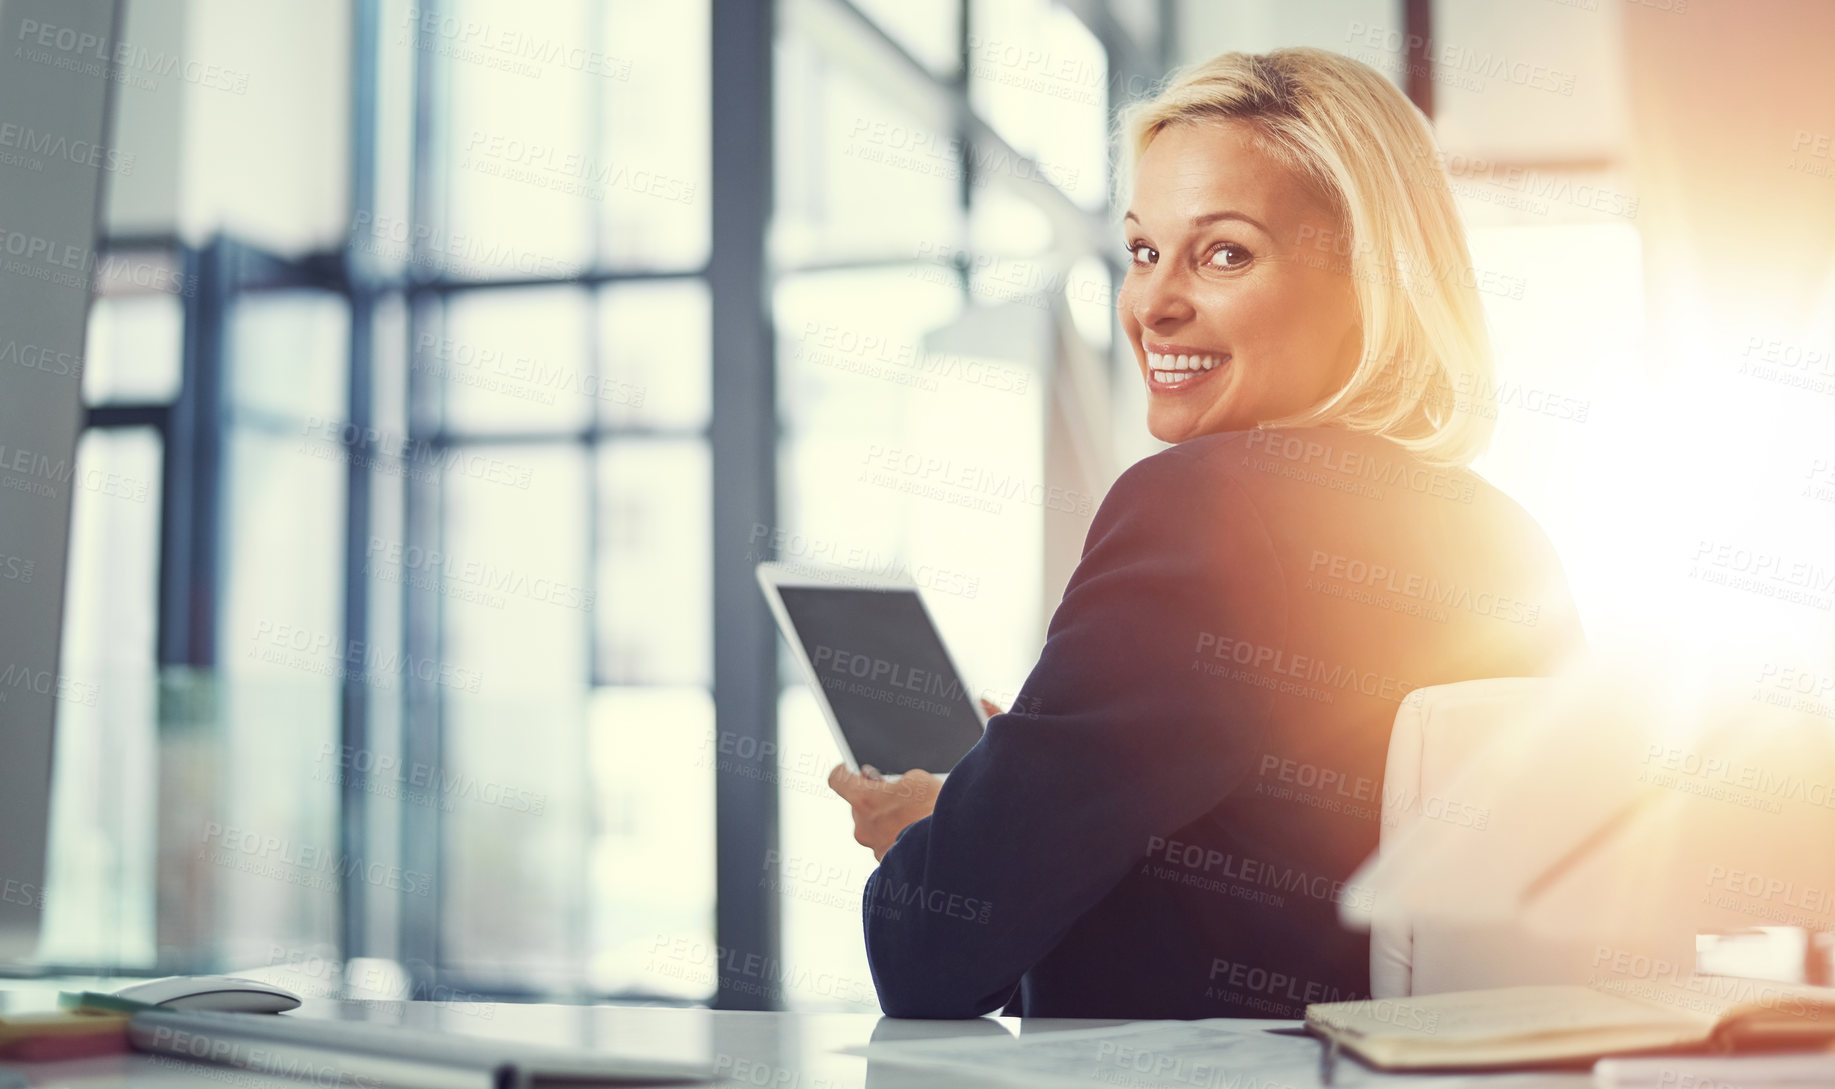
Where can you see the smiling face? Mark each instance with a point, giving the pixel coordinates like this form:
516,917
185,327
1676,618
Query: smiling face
1234,302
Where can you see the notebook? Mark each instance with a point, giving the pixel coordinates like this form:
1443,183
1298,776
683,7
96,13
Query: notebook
1534,1026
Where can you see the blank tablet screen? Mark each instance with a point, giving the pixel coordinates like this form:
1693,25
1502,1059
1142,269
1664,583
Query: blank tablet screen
883,671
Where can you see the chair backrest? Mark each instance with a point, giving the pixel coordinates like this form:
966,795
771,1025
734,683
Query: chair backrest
1436,731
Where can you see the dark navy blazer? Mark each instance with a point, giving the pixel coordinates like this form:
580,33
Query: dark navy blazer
1163,823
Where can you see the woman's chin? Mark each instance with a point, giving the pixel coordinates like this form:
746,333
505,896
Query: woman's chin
1175,425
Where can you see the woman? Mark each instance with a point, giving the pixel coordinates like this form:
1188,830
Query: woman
1163,826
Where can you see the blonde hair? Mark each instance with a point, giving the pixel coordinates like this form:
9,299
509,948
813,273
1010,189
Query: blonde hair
1424,378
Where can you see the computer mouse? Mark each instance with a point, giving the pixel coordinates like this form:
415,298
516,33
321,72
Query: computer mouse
228,994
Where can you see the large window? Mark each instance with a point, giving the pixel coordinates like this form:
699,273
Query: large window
392,616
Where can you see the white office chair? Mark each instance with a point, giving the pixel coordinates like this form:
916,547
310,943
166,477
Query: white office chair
1436,731
1531,833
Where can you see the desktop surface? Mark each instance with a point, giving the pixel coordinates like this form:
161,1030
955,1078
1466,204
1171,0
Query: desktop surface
778,1050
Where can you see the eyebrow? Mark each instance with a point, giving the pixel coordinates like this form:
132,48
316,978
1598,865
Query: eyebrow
1208,218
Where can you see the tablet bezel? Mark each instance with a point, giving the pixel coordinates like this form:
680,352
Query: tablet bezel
772,574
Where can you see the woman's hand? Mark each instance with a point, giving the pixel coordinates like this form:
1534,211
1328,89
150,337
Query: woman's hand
882,808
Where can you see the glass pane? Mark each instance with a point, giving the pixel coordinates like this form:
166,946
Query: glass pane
652,854
512,683
267,858
132,351
930,30
289,354
387,625
398,53
523,175
821,872
851,352
654,356
652,170
1041,79
845,155
655,606
511,360
101,862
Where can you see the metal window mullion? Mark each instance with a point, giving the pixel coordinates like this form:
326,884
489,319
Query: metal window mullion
422,826
354,705
747,913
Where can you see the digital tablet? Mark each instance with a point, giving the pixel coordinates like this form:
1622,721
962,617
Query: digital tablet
878,668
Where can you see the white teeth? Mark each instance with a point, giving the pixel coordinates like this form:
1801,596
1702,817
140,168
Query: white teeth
1171,368
1158,362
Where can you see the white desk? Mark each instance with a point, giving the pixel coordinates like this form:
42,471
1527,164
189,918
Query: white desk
769,1050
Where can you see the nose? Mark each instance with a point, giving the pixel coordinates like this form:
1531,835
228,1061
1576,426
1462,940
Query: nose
1160,300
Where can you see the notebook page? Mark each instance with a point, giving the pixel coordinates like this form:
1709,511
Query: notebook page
1504,1013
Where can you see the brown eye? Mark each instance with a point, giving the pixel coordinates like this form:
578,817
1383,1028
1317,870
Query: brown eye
1135,249
1230,256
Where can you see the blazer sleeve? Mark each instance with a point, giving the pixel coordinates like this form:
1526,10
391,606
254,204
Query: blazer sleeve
1131,725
